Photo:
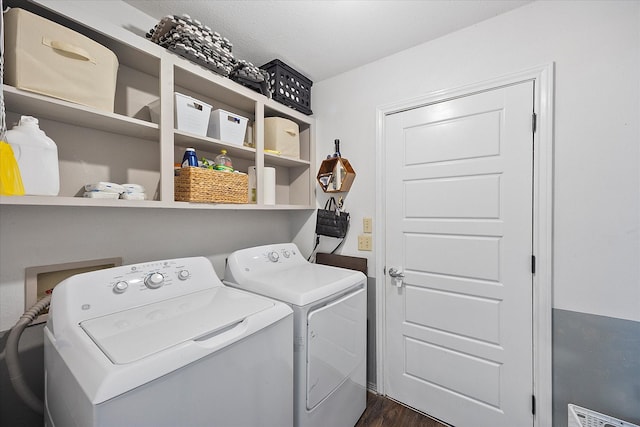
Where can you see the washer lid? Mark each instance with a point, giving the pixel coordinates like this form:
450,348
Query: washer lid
301,284
130,335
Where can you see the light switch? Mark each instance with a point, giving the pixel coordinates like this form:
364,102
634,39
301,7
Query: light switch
367,225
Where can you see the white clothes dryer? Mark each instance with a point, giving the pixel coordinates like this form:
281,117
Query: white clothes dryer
330,326
165,343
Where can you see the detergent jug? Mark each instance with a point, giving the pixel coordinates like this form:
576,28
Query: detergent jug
37,157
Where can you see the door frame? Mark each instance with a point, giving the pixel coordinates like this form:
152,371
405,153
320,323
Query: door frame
543,76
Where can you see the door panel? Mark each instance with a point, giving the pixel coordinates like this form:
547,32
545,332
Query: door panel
447,140
431,253
484,389
431,308
448,197
458,207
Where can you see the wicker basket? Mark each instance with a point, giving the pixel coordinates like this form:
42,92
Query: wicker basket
210,186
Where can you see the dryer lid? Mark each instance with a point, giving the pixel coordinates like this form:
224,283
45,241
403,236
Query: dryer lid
299,285
130,335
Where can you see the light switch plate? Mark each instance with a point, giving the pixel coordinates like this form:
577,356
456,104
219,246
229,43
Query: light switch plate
367,225
365,242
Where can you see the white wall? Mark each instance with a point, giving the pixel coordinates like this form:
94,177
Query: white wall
596,48
36,235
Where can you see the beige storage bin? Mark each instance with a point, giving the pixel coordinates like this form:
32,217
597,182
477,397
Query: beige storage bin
44,57
282,136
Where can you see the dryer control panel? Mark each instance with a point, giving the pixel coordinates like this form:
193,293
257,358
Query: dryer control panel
267,258
282,254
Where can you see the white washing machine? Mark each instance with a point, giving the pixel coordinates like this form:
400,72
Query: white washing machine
166,344
330,326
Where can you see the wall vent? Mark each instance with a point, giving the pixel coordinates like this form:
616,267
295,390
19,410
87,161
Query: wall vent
582,417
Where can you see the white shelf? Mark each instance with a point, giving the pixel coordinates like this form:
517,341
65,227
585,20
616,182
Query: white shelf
148,72
276,160
76,201
212,145
23,102
154,204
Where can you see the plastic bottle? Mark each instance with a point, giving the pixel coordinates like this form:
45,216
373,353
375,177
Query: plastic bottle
10,179
336,153
223,162
37,157
190,158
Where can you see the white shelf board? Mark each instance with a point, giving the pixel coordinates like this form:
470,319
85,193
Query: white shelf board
44,107
202,80
238,206
274,159
273,108
212,145
76,201
154,204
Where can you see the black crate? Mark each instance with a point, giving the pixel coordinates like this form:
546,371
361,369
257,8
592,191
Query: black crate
289,87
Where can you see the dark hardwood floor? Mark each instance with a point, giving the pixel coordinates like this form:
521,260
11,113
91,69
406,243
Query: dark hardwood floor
383,412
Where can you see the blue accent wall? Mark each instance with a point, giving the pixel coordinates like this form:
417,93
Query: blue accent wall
596,365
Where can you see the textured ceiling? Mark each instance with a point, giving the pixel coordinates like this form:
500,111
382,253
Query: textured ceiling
323,38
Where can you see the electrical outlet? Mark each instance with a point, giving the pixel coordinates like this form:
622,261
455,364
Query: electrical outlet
367,225
365,242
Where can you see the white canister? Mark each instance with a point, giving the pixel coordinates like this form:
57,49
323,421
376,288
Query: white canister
37,157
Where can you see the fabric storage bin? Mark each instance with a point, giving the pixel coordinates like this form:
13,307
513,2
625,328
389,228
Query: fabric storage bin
227,127
190,114
210,186
283,136
47,58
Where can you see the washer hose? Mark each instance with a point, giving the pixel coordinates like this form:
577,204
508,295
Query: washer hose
11,355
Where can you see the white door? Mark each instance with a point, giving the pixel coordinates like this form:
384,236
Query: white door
459,227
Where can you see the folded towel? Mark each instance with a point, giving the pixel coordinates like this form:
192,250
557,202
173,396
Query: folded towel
107,187
133,196
101,195
133,188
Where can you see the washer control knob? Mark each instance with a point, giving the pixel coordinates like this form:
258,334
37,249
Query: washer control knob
154,280
286,253
273,256
183,274
120,287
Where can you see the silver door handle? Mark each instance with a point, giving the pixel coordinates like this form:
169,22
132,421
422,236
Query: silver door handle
395,273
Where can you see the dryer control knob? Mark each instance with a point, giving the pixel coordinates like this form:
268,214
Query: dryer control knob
154,280
286,253
120,287
273,256
183,274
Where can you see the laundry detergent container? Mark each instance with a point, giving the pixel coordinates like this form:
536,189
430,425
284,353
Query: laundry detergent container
37,157
50,59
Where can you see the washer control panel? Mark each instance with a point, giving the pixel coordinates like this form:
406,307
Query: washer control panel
155,275
113,289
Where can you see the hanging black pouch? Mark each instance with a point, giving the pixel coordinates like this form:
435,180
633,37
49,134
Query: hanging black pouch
331,221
